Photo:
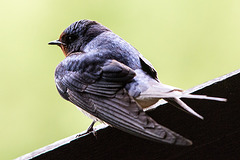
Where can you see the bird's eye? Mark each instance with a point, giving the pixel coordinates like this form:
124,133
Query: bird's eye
70,38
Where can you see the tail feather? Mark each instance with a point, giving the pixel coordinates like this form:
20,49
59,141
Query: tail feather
193,96
179,94
173,97
183,106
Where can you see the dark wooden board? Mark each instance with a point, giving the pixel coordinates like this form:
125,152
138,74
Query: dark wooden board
215,137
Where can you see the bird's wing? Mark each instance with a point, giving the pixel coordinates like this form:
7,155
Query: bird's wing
98,88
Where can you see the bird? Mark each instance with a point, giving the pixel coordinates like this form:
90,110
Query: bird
113,83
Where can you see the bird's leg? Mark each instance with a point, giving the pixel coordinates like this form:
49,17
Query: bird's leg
90,129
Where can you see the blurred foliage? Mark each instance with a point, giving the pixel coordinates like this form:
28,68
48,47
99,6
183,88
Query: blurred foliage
188,42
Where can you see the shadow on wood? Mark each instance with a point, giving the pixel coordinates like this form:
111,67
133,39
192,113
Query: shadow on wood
215,137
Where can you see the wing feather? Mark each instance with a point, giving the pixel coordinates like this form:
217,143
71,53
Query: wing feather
98,88
123,113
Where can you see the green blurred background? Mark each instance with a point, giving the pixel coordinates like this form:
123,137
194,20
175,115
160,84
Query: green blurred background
188,42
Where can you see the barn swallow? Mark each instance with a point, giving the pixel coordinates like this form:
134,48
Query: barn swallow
109,80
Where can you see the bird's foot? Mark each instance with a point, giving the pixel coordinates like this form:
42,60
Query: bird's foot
89,130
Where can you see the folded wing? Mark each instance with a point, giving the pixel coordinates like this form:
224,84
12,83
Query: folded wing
98,88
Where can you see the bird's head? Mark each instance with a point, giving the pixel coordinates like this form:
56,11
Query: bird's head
75,37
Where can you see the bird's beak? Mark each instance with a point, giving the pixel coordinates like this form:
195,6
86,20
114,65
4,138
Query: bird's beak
56,42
